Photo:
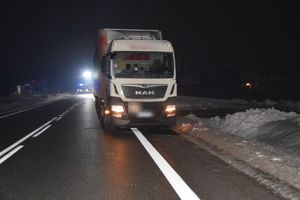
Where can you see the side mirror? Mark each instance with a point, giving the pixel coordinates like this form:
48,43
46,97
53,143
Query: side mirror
112,55
108,76
180,68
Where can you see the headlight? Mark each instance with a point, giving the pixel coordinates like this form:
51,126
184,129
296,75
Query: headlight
170,108
117,108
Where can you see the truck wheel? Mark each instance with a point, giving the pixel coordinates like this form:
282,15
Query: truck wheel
102,119
102,122
98,108
107,125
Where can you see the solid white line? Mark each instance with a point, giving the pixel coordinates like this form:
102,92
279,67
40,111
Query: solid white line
20,111
4,158
41,131
25,138
178,184
59,118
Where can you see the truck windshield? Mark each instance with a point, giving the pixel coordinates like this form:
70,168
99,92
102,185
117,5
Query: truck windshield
143,65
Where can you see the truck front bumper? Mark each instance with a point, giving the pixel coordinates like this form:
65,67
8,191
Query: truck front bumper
126,123
144,114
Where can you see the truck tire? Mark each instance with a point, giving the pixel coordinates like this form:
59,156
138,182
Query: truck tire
105,121
98,108
107,125
102,120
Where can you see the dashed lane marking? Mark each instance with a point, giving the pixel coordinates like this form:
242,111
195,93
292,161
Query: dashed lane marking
15,150
59,118
25,138
41,131
12,149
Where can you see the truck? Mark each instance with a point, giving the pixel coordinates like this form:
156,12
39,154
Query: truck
135,83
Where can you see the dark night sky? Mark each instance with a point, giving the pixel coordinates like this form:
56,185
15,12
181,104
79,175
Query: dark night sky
54,40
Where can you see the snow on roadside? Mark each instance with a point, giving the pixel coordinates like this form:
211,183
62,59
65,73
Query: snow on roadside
265,139
261,135
266,158
278,129
247,124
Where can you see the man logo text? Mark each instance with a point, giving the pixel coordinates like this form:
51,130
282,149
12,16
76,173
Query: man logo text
144,92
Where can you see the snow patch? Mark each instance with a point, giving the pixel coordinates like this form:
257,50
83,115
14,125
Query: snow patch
246,124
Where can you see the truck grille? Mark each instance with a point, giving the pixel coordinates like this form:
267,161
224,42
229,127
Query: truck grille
144,91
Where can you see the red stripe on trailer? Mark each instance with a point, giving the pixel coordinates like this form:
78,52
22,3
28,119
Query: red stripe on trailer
102,44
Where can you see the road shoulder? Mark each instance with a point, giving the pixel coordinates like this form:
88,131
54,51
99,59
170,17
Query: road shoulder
277,172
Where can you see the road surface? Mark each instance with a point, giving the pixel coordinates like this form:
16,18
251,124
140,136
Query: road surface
59,151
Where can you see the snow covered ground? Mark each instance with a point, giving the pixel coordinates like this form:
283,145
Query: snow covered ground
257,134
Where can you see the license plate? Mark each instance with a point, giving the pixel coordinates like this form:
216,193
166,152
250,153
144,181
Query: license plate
145,114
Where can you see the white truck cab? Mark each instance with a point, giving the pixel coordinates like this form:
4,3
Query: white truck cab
136,82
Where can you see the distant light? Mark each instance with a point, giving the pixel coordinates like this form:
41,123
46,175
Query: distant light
87,74
80,84
248,85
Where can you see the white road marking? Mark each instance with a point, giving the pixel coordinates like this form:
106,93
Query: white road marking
178,184
4,158
20,111
59,118
34,133
67,111
41,131
62,114
25,138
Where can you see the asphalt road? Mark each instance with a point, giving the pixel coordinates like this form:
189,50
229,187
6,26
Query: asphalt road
59,151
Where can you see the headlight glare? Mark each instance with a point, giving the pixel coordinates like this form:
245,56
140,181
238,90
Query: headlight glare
117,108
170,108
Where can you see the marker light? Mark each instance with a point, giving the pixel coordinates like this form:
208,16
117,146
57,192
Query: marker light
106,112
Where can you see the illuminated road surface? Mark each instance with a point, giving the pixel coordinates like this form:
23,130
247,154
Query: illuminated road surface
59,151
